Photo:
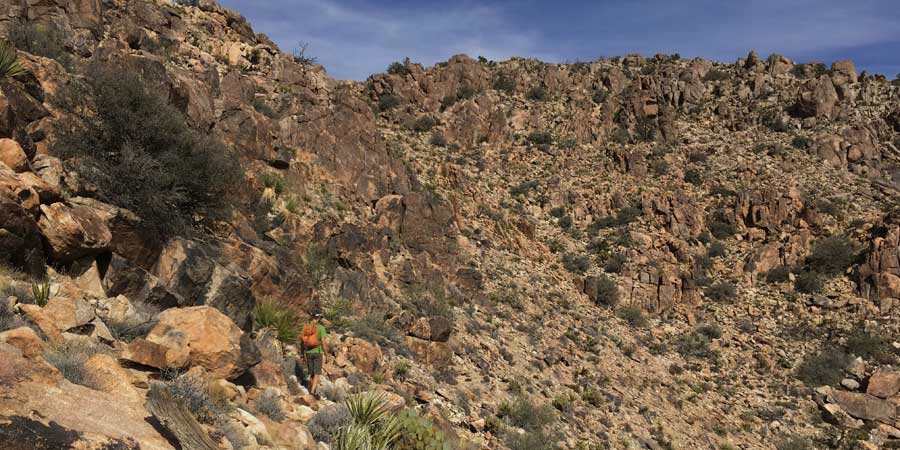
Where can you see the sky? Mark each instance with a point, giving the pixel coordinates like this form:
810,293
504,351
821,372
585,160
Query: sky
356,38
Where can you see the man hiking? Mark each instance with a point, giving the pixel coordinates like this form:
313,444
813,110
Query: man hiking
313,342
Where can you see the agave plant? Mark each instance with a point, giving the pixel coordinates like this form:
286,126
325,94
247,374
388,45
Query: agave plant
41,292
9,61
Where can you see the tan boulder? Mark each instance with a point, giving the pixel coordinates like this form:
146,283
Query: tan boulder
290,435
24,339
36,315
197,336
437,354
843,72
865,406
14,188
108,376
268,374
67,313
884,383
73,232
367,357
12,155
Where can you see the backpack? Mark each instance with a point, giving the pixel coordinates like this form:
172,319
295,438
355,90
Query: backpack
310,336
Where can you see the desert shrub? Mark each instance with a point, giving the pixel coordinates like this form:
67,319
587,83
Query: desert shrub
523,188
195,393
646,130
505,83
9,62
136,326
437,139
800,142
722,291
694,345
614,263
600,96
388,102
832,255
139,151
693,176
779,274
418,433
540,138
327,423
275,182
623,217
423,124
372,425
715,75
399,68
721,230
660,167
808,282
871,346
300,55
565,222
698,157
269,314
41,292
607,292
373,328
825,367
633,315
70,358
774,121
712,331
269,404
46,41
620,136
263,108
578,264
537,93
716,249
524,413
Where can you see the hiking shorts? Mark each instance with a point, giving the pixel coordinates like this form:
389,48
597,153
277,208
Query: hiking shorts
314,363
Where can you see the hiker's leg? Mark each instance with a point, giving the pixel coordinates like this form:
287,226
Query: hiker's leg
313,383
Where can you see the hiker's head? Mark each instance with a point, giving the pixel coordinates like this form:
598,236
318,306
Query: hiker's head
317,316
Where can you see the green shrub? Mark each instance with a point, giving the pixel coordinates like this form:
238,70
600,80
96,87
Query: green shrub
646,130
437,139
274,181
399,68
40,292
328,421
722,291
660,167
794,443
372,425
565,222
871,346
809,282
139,151
285,322
418,433
800,142
46,41
832,255
778,274
70,358
600,96
607,292
540,138
577,264
504,83
712,331
263,108
523,188
614,263
269,404
722,230
633,315
423,124
693,176
537,93
388,102
715,75
694,345
698,156
373,328
825,367
716,249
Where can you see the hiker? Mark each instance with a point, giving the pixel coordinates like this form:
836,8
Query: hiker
313,342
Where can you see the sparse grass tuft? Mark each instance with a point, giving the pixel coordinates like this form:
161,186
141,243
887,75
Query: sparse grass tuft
633,315
285,322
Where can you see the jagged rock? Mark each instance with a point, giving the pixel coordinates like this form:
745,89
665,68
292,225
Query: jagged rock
839,416
20,237
197,336
819,100
884,383
267,374
190,271
864,406
850,384
50,331
68,313
363,355
123,278
843,72
12,155
73,232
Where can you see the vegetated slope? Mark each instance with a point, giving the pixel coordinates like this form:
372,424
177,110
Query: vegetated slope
629,252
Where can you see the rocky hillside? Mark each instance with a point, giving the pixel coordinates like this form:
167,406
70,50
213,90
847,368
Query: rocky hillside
627,253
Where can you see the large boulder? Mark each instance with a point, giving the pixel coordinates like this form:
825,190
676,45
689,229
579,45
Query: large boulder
124,278
190,270
196,336
865,406
73,232
884,383
12,155
20,237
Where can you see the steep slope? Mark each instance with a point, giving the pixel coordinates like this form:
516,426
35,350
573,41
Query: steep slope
633,252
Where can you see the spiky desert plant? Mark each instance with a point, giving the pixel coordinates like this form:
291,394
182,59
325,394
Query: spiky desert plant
269,314
41,292
9,61
373,425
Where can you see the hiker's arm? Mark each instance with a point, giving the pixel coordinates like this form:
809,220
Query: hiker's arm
324,353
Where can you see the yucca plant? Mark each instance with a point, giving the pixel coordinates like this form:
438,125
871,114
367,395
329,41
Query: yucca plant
41,292
373,425
9,61
269,314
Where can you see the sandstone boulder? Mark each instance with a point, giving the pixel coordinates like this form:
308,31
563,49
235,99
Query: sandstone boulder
25,340
73,232
865,406
196,336
20,237
884,383
68,313
12,155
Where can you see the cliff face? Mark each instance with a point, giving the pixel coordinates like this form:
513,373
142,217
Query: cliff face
660,251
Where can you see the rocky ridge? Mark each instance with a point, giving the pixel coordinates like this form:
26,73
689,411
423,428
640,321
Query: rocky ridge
460,225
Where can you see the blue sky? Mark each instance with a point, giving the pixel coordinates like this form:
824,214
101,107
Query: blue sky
356,38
